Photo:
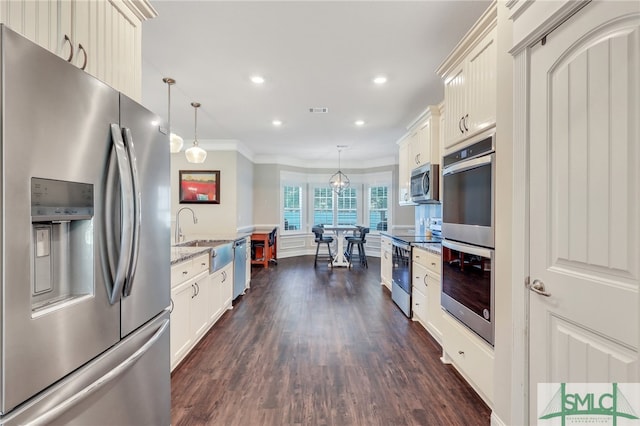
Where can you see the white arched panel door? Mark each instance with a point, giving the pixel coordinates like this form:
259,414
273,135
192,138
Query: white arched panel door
584,208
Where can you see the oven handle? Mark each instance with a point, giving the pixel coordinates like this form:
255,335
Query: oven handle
463,166
466,248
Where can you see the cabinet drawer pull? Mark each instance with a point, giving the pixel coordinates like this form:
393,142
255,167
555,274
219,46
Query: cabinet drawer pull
84,64
460,352
185,272
68,40
433,263
203,264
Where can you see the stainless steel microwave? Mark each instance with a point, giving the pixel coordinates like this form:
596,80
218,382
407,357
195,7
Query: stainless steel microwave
425,183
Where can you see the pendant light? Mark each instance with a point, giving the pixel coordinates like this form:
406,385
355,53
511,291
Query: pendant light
339,181
195,154
175,141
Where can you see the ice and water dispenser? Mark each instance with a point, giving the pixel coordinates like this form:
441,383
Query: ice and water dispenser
61,242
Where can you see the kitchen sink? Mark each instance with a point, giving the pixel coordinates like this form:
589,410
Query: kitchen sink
202,243
221,252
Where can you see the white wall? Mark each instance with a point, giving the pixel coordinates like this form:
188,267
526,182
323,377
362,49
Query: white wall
244,177
212,218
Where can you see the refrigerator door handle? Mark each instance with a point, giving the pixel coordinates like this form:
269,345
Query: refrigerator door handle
137,204
59,409
128,212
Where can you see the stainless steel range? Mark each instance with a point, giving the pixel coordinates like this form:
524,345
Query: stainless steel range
401,272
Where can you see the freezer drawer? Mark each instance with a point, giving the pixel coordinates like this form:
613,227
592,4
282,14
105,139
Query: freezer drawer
127,385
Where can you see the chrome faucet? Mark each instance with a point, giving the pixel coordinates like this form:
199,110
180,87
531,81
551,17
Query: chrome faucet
179,234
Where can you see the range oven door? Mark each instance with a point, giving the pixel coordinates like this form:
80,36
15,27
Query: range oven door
468,286
468,200
401,276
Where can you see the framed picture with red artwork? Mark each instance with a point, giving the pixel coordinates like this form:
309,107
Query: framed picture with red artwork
199,187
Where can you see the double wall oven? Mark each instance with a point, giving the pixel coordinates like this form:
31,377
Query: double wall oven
468,230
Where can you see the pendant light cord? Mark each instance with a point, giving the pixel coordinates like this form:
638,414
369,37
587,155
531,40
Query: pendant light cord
195,105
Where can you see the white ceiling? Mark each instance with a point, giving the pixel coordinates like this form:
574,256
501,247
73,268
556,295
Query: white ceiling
312,54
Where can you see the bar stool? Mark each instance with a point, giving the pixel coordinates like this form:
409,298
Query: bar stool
318,231
359,241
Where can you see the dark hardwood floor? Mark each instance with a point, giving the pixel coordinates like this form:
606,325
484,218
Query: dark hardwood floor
319,347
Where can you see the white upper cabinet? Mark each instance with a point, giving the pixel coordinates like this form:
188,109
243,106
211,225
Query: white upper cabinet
424,141
404,172
102,37
469,75
421,146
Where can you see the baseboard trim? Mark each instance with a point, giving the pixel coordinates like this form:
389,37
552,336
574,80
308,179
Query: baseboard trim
496,421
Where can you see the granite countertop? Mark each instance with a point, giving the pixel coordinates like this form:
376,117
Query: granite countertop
411,237
435,248
180,254
431,244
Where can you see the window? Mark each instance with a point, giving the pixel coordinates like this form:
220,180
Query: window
292,197
322,206
378,207
307,200
348,207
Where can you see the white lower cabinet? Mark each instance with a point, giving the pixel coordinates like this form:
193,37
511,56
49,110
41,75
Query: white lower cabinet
198,300
386,261
221,285
181,336
419,306
472,356
426,287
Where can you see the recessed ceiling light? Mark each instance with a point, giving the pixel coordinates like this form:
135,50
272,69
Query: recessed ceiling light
257,79
381,79
277,123
359,123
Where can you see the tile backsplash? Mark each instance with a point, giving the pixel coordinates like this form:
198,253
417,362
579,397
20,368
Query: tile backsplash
423,212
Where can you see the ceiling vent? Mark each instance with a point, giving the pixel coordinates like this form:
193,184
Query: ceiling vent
318,110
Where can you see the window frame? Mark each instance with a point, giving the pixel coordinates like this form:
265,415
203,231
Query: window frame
361,183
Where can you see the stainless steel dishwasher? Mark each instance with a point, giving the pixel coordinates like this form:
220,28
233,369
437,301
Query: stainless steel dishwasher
239,266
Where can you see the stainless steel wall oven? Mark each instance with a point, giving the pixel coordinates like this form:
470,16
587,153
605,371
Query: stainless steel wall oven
468,193
467,286
468,229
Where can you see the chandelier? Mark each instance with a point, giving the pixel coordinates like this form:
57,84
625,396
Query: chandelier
339,181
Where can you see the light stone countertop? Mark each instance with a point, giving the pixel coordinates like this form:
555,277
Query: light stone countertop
435,248
180,254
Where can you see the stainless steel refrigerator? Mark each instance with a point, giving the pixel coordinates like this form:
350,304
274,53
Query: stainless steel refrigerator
85,247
